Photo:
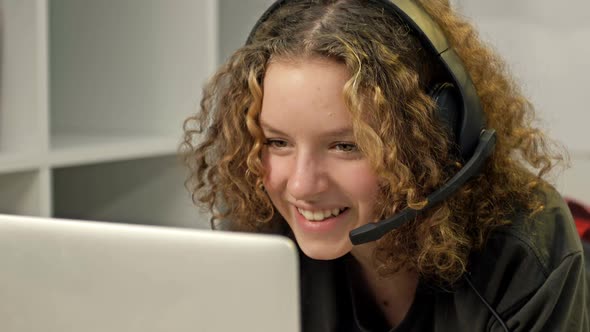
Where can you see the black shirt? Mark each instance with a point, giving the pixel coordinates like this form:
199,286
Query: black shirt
531,272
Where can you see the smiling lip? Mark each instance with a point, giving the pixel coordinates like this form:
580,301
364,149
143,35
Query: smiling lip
325,225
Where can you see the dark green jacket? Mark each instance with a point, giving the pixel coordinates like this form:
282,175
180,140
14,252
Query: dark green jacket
532,273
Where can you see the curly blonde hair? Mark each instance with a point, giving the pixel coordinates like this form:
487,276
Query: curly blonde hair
395,127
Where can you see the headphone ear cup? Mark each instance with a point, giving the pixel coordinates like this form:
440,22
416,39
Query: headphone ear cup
448,109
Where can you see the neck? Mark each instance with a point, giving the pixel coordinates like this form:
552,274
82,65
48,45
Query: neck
394,294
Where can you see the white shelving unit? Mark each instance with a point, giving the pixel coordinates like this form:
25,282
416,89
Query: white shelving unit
93,98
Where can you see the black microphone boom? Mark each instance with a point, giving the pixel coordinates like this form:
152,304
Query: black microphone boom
374,231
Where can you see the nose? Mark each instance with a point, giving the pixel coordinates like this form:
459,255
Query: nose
308,179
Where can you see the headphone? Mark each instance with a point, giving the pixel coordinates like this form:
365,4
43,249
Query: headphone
457,106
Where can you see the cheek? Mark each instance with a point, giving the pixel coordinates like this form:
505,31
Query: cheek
364,184
276,173
367,194
370,185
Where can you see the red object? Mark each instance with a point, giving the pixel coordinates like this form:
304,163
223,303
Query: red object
581,214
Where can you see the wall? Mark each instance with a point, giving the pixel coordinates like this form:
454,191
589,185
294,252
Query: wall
546,45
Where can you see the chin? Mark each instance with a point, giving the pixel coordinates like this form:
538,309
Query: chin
324,251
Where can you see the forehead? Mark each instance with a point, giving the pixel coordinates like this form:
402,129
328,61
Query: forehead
305,93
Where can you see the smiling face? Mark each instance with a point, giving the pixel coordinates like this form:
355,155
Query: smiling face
316,177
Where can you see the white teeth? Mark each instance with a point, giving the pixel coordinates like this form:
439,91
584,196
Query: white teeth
319,215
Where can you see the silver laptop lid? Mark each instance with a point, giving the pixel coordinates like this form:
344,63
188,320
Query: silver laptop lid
61,275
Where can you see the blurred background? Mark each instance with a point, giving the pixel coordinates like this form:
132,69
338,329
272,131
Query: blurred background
93,94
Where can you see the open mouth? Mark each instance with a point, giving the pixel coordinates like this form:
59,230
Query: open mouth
321,215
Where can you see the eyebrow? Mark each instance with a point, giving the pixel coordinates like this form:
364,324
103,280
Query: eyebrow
339,132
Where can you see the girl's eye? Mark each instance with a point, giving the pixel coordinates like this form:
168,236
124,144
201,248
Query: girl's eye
276,143
346,147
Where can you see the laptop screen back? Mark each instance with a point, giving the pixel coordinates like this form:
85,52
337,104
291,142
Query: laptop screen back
63,275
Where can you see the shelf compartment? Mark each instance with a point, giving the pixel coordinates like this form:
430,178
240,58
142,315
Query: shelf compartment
128,66
20,193
147,191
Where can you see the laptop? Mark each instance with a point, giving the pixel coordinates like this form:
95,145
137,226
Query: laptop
60,275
